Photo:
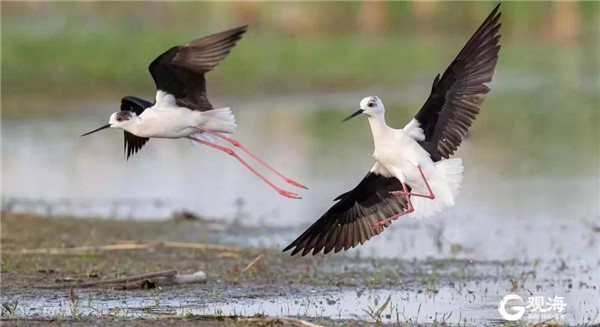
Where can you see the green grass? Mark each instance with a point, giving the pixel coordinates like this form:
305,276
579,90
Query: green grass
92,65
69,49
92,52
71,62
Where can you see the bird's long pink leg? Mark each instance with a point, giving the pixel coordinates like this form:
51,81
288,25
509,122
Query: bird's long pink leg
430,196
243,148
235,155
407,211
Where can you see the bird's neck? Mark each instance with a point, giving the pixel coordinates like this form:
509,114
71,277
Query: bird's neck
379,128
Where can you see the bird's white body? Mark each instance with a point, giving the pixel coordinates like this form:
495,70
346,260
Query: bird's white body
167,120
398,154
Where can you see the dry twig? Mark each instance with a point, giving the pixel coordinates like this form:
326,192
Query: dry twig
125,246
166,273
252,263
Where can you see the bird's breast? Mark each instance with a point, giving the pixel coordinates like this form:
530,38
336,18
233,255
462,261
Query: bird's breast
167,123
400,152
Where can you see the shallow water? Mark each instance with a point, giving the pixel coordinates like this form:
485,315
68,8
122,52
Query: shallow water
442,298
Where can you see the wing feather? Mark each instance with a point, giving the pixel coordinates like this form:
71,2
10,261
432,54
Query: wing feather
349,222
131,143
456,97
180,70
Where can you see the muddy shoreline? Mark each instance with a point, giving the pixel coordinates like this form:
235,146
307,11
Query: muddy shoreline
332,290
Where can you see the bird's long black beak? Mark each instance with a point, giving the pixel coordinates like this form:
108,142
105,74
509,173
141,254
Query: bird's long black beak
96,130
360,111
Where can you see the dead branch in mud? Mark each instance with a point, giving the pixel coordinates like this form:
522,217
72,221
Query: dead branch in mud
122,280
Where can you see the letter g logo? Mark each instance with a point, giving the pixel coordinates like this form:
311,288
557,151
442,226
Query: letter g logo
517,310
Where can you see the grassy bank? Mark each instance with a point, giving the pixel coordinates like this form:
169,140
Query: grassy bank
73,62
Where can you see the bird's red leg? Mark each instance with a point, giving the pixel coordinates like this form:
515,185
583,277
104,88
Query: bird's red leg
407,211
235,155
243,148
429,196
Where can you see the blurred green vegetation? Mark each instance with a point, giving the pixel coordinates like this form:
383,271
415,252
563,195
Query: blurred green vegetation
91,50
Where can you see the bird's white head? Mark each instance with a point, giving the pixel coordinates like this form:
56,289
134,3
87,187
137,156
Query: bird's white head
121,119
370,106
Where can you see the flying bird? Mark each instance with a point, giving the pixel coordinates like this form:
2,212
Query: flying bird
413,172
181,108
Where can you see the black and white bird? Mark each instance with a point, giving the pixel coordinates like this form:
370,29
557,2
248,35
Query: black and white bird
413,173
181,108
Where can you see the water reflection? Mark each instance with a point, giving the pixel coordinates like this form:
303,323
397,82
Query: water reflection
447,304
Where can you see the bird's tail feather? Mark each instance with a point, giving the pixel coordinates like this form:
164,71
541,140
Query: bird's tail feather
452,171
220,120
444,186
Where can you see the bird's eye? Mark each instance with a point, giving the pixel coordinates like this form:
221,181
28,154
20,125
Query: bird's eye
371,104
119,119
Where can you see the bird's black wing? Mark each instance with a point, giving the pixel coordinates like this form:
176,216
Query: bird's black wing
133,143
180,70
350,221
134,104
456,97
